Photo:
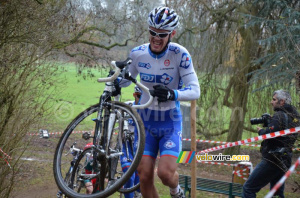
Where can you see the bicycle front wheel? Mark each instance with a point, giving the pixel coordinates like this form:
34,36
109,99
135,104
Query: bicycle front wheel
107,174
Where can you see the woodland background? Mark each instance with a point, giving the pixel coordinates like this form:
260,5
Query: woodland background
242,51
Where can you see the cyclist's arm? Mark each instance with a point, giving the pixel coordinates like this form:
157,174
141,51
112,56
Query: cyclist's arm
133,71
191,91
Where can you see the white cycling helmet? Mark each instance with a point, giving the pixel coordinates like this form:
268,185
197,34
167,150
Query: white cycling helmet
163,18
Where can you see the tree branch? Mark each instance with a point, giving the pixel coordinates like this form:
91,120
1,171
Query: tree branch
250,129
103,46
39,2
76,39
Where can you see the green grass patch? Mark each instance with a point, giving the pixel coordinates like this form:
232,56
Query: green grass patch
75,92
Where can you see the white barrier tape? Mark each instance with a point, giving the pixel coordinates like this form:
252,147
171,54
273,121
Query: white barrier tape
254,139
282,180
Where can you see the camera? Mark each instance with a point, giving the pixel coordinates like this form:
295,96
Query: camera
265,120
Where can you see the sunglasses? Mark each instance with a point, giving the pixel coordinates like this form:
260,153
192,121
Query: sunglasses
160,35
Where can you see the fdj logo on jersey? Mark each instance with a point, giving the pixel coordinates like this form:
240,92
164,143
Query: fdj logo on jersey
147,77
164,79
144,65
185,60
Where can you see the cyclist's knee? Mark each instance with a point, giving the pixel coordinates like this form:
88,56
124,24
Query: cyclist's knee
145,174
167,170
166,175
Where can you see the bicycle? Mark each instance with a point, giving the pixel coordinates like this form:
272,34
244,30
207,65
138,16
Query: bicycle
75,152
107,139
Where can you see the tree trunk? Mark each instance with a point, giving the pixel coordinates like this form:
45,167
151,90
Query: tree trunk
240,93
239,86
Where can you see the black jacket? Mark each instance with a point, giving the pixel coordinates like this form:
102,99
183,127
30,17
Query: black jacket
285,117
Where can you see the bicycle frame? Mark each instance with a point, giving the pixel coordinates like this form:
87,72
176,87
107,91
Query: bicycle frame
101,138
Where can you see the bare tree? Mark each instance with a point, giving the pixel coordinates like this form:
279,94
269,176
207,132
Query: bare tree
28,32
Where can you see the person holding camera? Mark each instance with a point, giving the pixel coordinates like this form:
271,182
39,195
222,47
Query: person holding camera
276,152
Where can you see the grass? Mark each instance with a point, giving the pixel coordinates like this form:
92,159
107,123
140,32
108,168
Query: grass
76,92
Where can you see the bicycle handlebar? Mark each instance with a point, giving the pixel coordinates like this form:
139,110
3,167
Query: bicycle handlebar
114,76
148,103
120,65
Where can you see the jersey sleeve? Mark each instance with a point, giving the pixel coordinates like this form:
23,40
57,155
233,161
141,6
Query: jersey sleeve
191,91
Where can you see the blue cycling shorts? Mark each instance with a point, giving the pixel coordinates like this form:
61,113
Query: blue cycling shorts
163,132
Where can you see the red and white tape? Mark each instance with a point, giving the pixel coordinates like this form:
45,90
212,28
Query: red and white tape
221,142
6,156
282,180
218,142
58,133
206,141
217,163
254,139
241,173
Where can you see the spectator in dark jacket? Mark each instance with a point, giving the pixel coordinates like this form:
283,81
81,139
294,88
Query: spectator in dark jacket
276,152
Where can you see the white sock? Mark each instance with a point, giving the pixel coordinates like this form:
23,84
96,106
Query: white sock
173,191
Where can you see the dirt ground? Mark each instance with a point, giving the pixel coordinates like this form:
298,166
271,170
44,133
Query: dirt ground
36,178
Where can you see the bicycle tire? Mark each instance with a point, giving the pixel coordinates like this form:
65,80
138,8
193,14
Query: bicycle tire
129,190
69,130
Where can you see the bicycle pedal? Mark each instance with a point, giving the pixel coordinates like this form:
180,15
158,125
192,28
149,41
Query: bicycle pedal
86,135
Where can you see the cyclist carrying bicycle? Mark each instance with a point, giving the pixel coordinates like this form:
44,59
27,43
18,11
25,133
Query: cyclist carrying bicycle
165,67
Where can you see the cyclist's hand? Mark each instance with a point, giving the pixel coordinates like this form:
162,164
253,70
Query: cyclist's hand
162,93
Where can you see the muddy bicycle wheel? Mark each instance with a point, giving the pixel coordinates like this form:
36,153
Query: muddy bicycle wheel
106,163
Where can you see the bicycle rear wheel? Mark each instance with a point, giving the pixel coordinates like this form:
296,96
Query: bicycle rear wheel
108,170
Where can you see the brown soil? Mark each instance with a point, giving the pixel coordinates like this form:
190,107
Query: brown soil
36,178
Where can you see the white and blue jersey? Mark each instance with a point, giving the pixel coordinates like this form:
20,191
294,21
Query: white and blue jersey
174,69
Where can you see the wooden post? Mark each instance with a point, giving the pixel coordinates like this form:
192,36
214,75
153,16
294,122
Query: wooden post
193,148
